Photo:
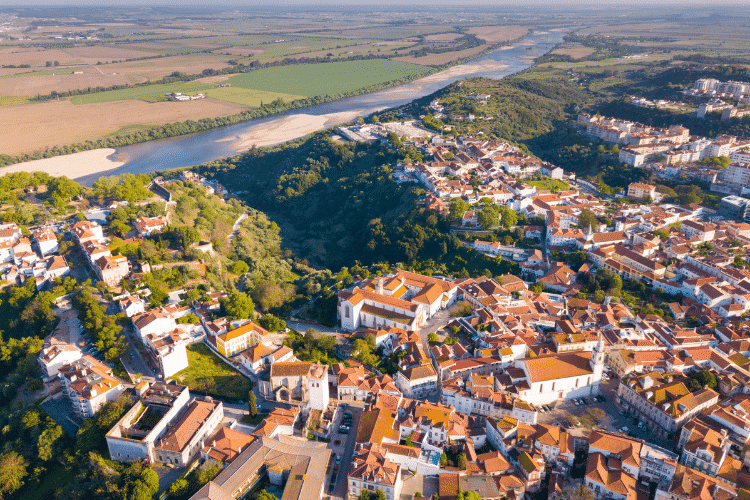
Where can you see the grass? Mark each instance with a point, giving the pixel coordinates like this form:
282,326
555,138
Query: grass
148,93
249,97
553,185
325,78
207,373
248,420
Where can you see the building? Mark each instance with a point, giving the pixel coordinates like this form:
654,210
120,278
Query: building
134,436
417,382
302,382
53,357
235,341
185,437
111,270
606,478
88,384
403,300
226,445
371,470
297,466
689,484
662,400
562,376
148,225
735,207
640,191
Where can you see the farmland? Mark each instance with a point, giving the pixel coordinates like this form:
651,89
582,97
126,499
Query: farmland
148,93
325,78
57,123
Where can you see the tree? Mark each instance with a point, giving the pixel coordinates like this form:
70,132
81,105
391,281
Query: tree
237,305
272,323
12,472
509,217
587,218
489,216
179,489
580,492
158,296
432,337
252,404
704,378
462,461
456,209
63,187
537,287
443,459
239,267
185,236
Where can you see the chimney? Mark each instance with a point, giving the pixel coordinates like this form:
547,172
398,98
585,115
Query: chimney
380,286
213,444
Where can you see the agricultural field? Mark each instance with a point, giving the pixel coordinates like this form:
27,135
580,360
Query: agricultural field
498,34
729,37
57,123
325,78
148,93
249,97
574,50
444,58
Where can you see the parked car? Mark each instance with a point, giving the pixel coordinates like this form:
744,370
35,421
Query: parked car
624,429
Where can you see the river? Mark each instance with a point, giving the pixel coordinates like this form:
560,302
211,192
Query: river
202,147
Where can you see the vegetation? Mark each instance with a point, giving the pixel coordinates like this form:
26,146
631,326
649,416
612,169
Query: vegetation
206,373
312,346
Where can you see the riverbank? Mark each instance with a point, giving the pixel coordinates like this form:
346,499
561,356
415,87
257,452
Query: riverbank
292,127
73,166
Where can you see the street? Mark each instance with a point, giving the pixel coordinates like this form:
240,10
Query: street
346,448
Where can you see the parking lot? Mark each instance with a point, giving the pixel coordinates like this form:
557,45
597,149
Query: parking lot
344,451
616,419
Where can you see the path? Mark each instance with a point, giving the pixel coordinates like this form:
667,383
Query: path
100,71
236,226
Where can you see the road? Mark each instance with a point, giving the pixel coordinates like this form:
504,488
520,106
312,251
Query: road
133,360
346,449
434,324
236,227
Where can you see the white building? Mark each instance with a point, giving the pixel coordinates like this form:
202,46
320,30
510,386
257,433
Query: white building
562,376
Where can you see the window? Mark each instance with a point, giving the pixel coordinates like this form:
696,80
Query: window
346,311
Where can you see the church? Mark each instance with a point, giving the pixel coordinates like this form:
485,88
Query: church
562,376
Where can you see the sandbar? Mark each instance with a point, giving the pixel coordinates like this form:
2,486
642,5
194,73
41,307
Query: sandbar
73,166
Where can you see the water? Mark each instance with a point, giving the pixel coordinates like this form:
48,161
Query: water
202,147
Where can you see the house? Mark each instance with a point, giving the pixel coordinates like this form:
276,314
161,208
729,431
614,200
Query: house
640,191
88,384
371,470
148,225
606,479
226,445
51,358
185,437
417,382
260,356
111,270
133,438
45,240
132,305
239,339
689,484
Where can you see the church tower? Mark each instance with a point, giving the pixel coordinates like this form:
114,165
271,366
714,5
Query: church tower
589,235
597,365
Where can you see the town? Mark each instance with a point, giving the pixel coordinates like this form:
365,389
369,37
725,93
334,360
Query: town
615,360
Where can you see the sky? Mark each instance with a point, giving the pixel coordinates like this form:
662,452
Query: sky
476,5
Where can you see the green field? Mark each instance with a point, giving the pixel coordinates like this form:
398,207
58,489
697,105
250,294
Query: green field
249,97
207,373
149,93
325,78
